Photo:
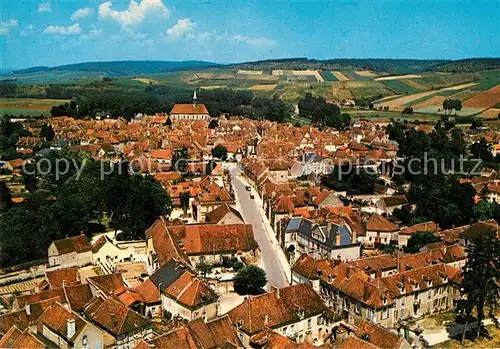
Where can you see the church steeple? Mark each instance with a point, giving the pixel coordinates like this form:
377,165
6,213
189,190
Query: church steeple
195,99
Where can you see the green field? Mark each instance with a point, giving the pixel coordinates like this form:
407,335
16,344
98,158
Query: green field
327,75
28,106
399,86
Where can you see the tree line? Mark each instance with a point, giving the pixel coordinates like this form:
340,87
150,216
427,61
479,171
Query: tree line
68,204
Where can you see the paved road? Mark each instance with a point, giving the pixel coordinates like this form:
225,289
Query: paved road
273,259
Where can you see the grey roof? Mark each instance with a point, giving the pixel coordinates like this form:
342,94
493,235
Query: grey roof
166,275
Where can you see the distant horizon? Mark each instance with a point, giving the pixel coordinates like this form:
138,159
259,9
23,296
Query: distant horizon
53,33
10,69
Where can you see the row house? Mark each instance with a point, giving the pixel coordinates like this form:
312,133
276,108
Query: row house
197,243
321,240
295,311
356,292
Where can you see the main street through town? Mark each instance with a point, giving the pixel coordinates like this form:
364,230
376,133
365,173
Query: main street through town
273,259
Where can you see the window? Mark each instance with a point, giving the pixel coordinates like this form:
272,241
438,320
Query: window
429,294
357,308
319,320
309,323
395,314
385,314
85,341
402,313
284,330
435,302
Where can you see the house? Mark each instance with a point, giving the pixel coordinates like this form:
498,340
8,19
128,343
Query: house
62,277
15,338
223,215
67,329
190,298
388,204
406,233
355,296
125,327
106,285
307,269
372,336
75,251
197,334
469,235
325,240
378,231
150,295
190,111
295,311
106,253
327,199
197,243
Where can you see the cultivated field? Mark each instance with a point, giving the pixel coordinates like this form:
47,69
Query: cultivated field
28,106
340,76
250,72
147,81
398,77
490,113
365,73
433,101
263,87
486,99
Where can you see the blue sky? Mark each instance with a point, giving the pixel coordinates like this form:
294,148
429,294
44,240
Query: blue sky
55,32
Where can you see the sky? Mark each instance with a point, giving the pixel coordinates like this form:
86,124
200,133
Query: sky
56,32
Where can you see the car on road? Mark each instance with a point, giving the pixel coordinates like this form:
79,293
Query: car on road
248,188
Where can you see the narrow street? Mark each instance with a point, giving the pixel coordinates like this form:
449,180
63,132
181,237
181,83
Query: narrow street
273,259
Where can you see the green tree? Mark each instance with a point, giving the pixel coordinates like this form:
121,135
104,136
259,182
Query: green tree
213,124
419,240
485,210
184,198
47,133
250,279
476,123
5,198
481,150
204,268
180,160
480,277
220,152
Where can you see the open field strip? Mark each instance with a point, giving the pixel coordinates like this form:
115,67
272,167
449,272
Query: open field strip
314,73
401,103
387,98
459,87
340,76
250,72
146,81
365,73
490,113
263,87
398,77
486,99
431,102
214,87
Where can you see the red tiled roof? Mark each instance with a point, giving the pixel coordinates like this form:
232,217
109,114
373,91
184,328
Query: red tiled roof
379,223
62,277
189,109
149,292
73,244
278,310
379,336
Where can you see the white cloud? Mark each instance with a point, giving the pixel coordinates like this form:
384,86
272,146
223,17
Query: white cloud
183,29
81,13
28,30
5,27
136,12
61,30
45,7
93,33
253,41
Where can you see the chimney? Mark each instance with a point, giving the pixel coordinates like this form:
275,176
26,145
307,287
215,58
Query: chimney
70,324
28,309
276,290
